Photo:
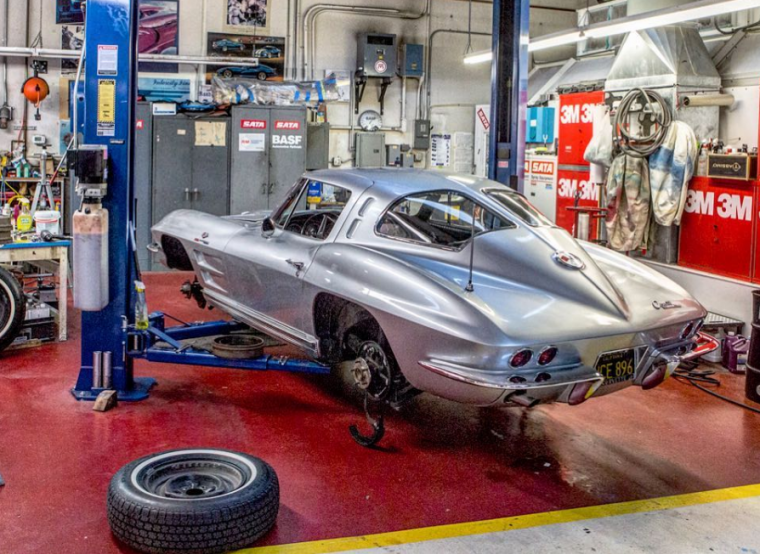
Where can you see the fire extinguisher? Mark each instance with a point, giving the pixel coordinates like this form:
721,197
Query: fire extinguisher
35,89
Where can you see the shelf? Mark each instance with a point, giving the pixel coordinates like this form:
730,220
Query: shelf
33,180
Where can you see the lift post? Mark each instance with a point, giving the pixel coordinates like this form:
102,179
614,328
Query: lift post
509,90
110,93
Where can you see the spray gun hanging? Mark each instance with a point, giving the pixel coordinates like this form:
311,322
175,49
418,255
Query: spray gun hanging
35,89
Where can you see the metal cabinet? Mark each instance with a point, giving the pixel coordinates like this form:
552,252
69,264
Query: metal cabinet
190,165
268,155
143,179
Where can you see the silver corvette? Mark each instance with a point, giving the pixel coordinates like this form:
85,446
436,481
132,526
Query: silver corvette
447,284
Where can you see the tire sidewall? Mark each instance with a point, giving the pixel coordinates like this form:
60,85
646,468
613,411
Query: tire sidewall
11,288
122,486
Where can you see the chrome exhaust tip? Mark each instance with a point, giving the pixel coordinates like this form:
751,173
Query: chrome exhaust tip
521,399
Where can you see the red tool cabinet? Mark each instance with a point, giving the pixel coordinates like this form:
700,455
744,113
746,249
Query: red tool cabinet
718,228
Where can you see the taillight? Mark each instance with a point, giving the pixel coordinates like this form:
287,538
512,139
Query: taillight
521,357
688,330
547,355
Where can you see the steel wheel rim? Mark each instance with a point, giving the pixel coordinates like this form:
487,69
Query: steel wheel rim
193,474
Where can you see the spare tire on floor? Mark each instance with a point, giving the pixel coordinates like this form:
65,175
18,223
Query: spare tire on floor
12,308
195,500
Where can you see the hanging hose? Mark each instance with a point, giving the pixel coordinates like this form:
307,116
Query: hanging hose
654,104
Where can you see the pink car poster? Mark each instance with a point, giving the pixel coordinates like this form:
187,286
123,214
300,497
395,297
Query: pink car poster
158,32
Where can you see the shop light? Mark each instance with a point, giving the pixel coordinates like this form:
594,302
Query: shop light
701,9
478,57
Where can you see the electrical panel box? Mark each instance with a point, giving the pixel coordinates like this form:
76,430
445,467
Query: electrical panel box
421,134
406,159
376,55
540,125
412,60
393,154
317,146
370,149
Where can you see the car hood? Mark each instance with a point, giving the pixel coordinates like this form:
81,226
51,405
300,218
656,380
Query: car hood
532,298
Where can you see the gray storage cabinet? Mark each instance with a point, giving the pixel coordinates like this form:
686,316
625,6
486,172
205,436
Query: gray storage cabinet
188,172
268,155
143,179
317,146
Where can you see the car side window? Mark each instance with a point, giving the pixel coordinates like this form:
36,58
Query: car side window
314,209
283,213
442,218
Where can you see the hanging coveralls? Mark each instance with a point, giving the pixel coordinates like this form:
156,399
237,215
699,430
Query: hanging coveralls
628,203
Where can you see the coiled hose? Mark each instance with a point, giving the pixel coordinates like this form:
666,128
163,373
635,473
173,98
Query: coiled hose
642,147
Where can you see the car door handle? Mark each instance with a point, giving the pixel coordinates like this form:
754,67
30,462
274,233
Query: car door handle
298,265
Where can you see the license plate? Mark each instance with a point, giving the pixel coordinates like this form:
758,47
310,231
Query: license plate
617,367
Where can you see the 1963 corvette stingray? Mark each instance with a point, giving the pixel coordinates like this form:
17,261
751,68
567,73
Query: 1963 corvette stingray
448,284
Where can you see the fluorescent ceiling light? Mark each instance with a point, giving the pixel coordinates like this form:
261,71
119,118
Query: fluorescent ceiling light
478,57
701,9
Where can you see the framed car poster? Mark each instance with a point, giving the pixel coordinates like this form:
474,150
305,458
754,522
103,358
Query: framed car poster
158,32
72,38
68,11
268,52
247,16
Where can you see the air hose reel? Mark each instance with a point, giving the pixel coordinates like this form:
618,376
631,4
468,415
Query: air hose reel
655,109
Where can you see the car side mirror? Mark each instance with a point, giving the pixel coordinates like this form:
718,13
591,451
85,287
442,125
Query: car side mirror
267,228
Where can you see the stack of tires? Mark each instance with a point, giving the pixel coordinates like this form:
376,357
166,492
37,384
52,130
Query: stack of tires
753,358
12,308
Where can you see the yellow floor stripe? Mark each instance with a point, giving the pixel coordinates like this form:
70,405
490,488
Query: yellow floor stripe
507,523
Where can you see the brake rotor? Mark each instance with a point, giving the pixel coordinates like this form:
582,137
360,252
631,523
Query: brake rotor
372,371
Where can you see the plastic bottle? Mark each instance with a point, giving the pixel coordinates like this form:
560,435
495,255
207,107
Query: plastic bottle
702,161
24,220
141,307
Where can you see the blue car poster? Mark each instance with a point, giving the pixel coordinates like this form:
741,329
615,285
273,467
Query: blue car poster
269,52
69,11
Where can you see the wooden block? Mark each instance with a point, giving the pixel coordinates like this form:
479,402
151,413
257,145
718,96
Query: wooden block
105,401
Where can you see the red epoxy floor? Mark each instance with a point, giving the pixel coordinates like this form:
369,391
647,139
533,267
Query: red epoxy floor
444,463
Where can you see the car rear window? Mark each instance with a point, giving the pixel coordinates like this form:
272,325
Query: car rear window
517,204
441,218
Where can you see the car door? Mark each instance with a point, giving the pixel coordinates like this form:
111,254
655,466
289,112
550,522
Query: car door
267,272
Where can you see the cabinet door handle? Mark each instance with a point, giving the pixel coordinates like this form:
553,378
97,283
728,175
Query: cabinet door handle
187,195
271,187
264,188
196,194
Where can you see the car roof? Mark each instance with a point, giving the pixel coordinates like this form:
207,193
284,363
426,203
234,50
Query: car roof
412,180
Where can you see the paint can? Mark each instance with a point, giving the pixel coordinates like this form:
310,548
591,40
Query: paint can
735,348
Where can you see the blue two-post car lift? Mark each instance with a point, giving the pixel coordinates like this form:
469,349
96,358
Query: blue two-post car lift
111,30
110,84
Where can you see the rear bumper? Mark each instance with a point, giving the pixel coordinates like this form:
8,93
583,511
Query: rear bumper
572,385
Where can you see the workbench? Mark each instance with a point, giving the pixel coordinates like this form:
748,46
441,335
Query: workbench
43,254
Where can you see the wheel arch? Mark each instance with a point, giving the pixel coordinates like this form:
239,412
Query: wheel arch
333,317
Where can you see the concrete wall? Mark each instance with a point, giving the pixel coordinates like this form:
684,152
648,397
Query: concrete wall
456,88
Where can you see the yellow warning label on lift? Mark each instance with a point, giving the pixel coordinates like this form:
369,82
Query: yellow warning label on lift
106,107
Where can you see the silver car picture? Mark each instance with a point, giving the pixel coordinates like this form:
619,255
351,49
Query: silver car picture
447,284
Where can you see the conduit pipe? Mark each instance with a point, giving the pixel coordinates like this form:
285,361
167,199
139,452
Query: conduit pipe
310,18
50,53
724,100
430,58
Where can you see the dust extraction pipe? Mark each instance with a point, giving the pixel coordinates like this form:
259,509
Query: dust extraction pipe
726,100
